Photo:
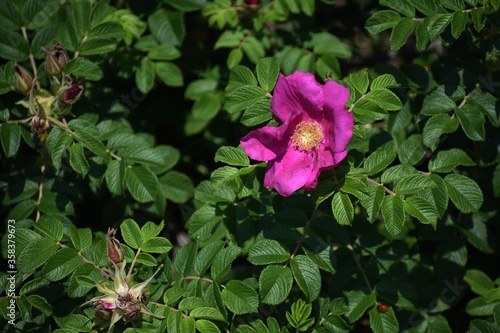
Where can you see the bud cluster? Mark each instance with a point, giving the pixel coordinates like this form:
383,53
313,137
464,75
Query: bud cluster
121,301
47,104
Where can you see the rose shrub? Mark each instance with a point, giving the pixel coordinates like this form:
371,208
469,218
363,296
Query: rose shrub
250,166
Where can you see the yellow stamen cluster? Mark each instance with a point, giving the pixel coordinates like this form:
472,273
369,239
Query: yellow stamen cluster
307,136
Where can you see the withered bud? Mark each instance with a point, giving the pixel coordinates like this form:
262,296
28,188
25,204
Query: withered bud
23,81
101,311
57,57
114,249
39,125
69,94
132,312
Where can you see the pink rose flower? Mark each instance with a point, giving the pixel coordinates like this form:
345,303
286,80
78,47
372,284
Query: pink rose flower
316,128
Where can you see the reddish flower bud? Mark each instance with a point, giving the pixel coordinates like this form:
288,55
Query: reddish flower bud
68,95
114,249
252,2
23,81
57,57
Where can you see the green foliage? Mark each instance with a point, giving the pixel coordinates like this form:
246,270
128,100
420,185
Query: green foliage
141,122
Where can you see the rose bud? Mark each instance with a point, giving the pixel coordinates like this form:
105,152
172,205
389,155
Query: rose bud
252,2
68,95
23,81
57,57
114,249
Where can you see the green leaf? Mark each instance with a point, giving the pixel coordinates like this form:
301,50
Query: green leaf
184,258
176,186
206,313
360,80
437,102
479,282
275,283
97,45
458,23
37,14
50,227
243,97
131,233
385,98
358,302
157,245
472,121
421,209
10,135
35,254
437,24
267,73
223,260
115,177
167,26
146,259
145,76
150,230
13,46
436,126
397,172
411,150
483,326
61,264
57,143
77,159
422,34
306,274
81,238
437,195
206,256
267,251
413,183
230,39
382,20
169,73
383,322
335,323
141,182
393,213
464,192
143,155
232,156
206,326
240,298
84,68
164,52
383,81
10,16
87,133
240,76
257,113
447,160
373,201
380,158
253,48
401,32
234,58
82,10
477,15
342,208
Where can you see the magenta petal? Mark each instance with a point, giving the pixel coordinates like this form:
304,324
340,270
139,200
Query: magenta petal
296,95
290,172
266,143
340,121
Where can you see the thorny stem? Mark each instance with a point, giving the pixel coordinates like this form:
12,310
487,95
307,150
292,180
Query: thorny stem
379,184
105,274
32,59
132,264
356,260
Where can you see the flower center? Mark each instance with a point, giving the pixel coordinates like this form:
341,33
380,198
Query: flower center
307,136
